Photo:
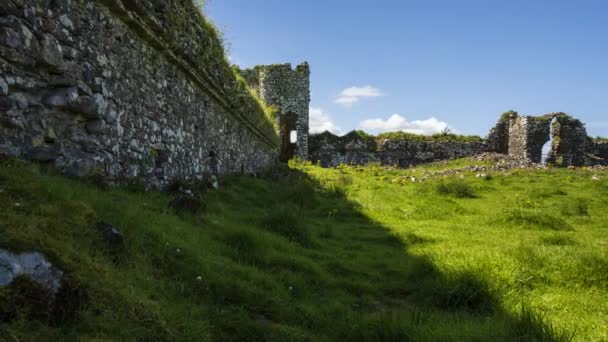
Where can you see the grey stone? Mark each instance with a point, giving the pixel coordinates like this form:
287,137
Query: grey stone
81,167
6,103
9,37
43,153
51,53
33,265
61,97
96,126
8,7
9,151
111,114
3,87
21,101
12,123
91,107
149,99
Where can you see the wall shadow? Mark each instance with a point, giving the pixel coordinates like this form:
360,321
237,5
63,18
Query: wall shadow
391,294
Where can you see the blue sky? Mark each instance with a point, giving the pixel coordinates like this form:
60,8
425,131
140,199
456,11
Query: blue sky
420,65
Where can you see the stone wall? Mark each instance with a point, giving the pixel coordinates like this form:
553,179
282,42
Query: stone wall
528,135
133,89
598,152
498,138
288,90
570,141
330,150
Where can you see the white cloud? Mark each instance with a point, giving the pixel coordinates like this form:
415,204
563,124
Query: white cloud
398,123
349,96
320,121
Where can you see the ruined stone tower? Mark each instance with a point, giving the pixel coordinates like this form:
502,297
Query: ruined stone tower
289,91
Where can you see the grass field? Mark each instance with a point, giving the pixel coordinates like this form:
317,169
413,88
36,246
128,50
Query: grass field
357,254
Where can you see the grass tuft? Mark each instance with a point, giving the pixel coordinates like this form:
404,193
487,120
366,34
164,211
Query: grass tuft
285,221
575,207
558,240
536,220
458,189
532,326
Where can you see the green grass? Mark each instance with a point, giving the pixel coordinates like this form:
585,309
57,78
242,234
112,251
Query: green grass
351,253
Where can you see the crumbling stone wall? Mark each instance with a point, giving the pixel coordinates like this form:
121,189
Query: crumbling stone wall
528,135
117,88
598,152
571,144
330,150
498,138
289,91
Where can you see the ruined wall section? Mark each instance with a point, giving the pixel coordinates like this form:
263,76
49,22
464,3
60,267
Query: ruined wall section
528,135
598,152
498,138
571,145
288,90
330,150
128,89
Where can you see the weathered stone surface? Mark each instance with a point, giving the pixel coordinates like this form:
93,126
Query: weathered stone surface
81,167
3,87
60,97
289,91
528,135
84,86
43,153
331,150
50,52
33,265
91,107
6,103
12,123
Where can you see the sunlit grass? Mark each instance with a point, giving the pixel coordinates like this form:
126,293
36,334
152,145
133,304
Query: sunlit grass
351,253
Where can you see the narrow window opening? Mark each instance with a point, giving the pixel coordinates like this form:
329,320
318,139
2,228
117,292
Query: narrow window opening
547,151
293,137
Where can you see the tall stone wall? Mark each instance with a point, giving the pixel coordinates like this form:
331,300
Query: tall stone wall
127,89
498,138
571,145
528,135
288,90
330,150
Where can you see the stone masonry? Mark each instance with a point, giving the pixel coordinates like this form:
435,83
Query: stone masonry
329,150
91,89
521,137
288,90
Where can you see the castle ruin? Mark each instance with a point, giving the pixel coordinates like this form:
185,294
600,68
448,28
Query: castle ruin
141,89
288,90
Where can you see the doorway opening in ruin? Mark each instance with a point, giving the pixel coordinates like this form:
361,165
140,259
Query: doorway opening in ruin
547,151
289,136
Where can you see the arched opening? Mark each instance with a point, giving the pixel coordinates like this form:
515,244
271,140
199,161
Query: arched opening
547,150
289,136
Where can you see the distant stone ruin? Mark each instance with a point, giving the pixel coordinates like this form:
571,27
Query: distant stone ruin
521,137
288,90
141,89
525,136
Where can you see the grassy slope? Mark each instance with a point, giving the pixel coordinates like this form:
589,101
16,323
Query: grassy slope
358,254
